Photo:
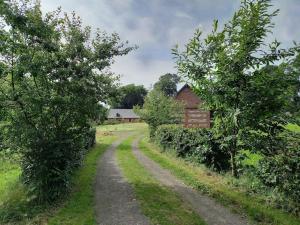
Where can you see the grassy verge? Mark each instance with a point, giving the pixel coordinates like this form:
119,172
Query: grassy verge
216,186
76,209
158,203
14,205
122,127
9,176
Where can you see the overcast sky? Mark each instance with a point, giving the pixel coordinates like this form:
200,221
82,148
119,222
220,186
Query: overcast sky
157,25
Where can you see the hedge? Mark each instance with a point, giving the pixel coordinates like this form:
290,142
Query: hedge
193,142
281,170
90,138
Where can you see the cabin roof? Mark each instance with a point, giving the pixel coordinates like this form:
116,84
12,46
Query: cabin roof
188,97
122,113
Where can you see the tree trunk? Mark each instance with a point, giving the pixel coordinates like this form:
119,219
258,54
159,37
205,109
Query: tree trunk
233,164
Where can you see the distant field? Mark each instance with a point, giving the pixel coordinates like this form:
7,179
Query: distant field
122,127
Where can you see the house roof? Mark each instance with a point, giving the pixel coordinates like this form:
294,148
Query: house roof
122,113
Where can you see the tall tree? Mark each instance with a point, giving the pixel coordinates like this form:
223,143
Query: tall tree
225,70
52,76
129,96
167,84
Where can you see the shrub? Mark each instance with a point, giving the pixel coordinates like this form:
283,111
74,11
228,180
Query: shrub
282,170
111,122
47,172
90,139
193,142
1,138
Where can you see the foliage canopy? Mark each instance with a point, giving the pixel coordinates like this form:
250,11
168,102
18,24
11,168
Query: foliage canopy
167,84
129,96
53,75
231,71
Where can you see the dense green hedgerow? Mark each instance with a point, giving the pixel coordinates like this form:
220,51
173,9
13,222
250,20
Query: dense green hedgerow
193,142
90,138
281,170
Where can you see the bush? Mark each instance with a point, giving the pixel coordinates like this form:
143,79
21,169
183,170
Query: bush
111,122
1,138
193,142
47,172
282,170
90,138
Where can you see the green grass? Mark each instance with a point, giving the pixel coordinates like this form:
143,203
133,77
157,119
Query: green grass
9,176
158,203
13,200
76,209
122,127
216,186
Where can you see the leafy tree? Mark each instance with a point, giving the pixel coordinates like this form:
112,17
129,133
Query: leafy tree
160,109
229,70
296,99
53,74
167,84
129,96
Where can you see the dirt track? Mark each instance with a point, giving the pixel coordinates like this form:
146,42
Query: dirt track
114,197
209,210
116,204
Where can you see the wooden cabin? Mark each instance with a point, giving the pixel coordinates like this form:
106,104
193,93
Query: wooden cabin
194,116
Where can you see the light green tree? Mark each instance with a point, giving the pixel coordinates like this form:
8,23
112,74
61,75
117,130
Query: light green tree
53,74
229,70
160,109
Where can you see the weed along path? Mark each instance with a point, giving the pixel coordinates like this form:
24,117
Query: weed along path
115,200
209,210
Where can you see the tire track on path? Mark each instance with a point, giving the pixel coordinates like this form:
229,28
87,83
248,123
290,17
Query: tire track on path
210,211
114,197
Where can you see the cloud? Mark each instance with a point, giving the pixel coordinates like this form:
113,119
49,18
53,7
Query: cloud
132,69
183,15
157,25
286,22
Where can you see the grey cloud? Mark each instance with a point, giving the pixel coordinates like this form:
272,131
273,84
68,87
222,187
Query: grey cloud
157,25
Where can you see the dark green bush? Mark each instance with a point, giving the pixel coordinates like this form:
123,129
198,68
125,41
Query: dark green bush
90,138
48,169
193,142
47,172
1,138
282,170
